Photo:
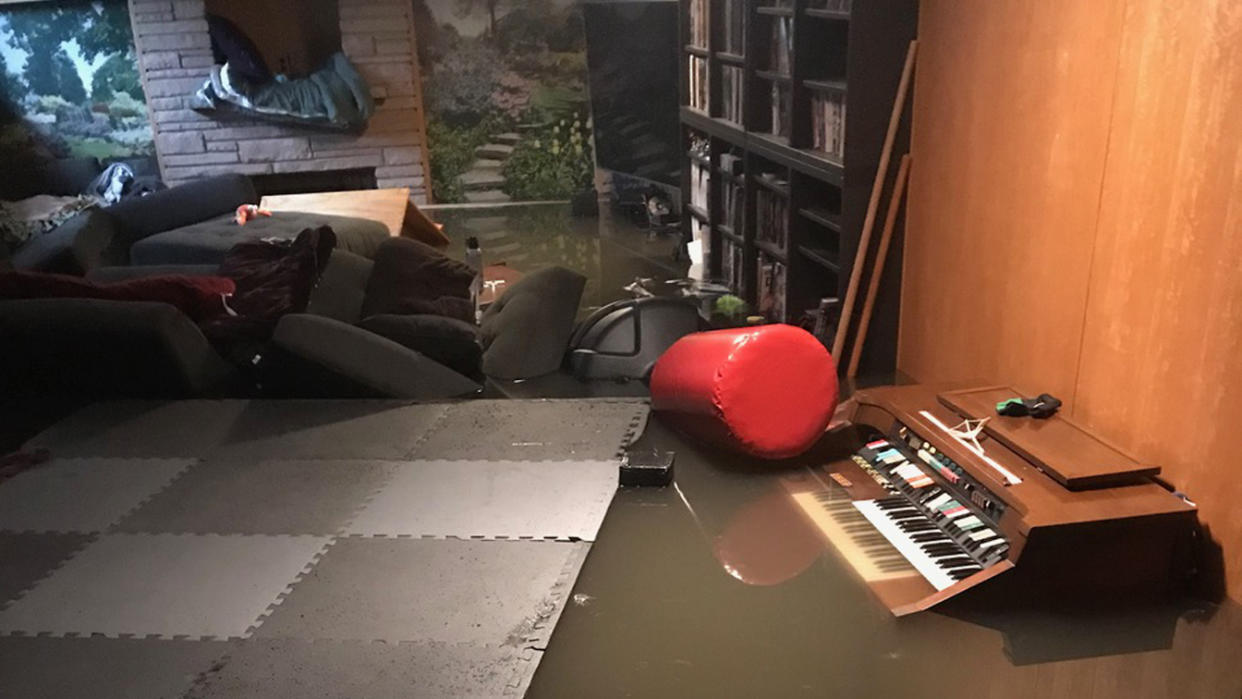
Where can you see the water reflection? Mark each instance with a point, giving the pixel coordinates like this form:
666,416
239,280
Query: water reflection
726,594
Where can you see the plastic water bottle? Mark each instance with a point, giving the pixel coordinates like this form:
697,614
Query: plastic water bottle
474,260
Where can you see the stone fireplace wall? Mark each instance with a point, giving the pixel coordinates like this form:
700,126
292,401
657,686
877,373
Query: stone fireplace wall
174,52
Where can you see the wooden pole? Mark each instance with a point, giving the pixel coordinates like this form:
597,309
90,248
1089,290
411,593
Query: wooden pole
886,237
877,189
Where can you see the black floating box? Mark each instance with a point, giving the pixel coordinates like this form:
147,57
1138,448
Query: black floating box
647,467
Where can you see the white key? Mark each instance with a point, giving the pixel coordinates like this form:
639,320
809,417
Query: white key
923,563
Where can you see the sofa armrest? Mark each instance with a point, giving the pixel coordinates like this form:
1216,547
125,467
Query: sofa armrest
74,247
321,357
176,207
526,332
89,347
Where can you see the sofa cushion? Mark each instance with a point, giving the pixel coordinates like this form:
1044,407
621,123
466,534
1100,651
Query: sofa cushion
208,242
449,341
413,278
199,298
526,331
169,209
35,175
341,287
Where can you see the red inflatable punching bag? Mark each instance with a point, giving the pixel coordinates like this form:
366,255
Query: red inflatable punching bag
767,391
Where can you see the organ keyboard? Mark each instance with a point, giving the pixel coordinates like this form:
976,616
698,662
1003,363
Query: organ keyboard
923,515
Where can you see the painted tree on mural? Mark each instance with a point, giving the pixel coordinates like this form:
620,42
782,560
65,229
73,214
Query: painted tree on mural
76,89
466,8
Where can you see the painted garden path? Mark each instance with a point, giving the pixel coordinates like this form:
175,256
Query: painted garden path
483,180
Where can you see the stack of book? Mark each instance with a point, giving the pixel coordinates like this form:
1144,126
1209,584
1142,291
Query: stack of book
731,264
771,288
698,83
828,123
702,235
734,29
698,23
772,217
731,80
782,107
700,184
733,206
782,45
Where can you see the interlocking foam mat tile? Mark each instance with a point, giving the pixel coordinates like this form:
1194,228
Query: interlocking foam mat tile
150,429
82,495
163,584
276,548
26,558
240,496
102,668
279,668
311,429
493,593
318,429
521,430
491,499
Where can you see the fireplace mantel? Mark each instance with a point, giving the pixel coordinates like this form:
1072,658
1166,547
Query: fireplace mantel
174,51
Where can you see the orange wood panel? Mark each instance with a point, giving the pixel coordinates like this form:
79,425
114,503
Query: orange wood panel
1161,367
1011,109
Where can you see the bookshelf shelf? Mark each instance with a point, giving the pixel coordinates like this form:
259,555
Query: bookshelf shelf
772,11
772,249
826,85
774,77
836,15
822,217
781,188
728,233
823,258
808,87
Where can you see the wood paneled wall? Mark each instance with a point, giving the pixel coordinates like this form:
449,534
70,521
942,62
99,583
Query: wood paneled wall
1075,223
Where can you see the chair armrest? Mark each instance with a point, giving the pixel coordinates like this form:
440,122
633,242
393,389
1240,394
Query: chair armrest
322,357
74,247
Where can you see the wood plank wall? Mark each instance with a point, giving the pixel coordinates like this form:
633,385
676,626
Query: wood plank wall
1075,223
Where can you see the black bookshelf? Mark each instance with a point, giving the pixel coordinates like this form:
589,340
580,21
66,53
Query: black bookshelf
840,59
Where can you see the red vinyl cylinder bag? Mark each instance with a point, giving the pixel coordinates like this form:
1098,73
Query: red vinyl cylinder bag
768,391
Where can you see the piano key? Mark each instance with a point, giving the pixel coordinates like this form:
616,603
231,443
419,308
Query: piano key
867,551
921,561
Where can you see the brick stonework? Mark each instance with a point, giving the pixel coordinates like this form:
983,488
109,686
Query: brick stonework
377,35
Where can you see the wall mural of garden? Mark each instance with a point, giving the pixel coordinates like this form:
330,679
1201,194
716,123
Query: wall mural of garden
506,98
69,83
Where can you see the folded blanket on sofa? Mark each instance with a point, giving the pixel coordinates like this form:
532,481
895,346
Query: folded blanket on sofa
23,221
